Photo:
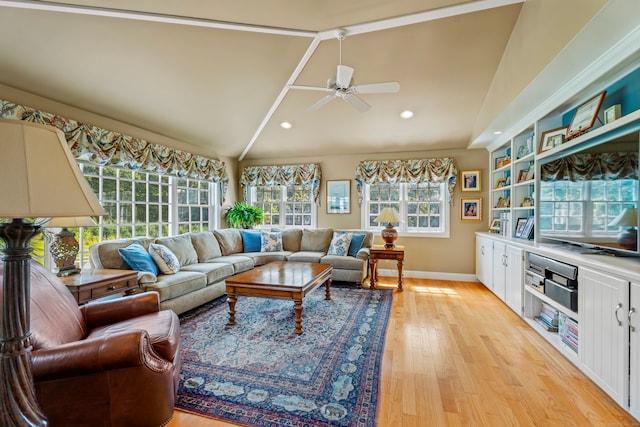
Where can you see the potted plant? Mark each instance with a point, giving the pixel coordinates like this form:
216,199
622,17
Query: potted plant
243,215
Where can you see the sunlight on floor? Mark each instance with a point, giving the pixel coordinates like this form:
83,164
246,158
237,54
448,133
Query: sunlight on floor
434,291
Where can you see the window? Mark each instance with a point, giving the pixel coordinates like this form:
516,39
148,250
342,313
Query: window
142,204
284,206
564,205
422,207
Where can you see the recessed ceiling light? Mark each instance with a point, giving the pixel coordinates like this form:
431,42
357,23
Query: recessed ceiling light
406,114
497,132
286,125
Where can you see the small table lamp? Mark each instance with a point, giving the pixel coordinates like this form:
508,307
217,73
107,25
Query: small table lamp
389,234
41,179
65,247
627,238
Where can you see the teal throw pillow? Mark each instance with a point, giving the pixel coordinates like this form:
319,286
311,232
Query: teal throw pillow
138,258
340,244
251,240
164,258
271,241
356,244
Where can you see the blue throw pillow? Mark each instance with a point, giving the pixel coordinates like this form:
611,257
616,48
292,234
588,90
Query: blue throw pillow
138,258
356,244
251,240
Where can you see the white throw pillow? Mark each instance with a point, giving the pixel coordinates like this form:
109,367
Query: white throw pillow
271,241
340,244
166,260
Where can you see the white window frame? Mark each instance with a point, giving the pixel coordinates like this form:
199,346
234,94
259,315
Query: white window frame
252,196
402,211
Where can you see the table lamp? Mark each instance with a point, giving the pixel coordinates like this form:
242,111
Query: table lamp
389,234
65,247
627,238
41,179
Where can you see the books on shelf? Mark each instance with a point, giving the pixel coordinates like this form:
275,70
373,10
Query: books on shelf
568,331
548,318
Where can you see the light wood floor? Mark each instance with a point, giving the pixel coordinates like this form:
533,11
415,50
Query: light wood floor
455,355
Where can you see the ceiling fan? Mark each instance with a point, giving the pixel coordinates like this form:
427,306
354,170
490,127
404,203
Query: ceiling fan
341,86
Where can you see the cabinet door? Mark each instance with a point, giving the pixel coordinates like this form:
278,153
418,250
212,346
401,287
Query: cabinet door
634,335
514,278
499,269
603,338
484,255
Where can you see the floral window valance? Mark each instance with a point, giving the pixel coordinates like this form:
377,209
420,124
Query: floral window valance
411,171
106,148
307,174
592,167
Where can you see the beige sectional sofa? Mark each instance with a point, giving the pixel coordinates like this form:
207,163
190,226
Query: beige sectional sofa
208,258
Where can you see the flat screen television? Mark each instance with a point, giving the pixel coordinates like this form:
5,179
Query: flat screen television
589,195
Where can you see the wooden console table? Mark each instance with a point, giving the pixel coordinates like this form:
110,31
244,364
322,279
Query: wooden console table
92,284
378,252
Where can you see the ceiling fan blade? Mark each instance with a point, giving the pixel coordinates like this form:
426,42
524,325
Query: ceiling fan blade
386,87
320,89
343,76
356,102
325,100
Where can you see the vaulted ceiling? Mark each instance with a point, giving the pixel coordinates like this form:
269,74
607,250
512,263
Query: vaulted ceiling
215,74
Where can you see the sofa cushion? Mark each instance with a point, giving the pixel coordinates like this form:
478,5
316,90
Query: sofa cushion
368,236
342,262
291,239
138,258
340,244
174,285
261,258
306,256
181,246
356,244
271,241
214,271
206,245
316,240
105,254
230,240
251,240
166,260
240,262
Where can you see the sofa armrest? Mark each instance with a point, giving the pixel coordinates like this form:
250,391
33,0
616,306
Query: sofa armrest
118,310
122,350
363,253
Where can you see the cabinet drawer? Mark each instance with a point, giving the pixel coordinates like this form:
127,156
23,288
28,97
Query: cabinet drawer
105,289
387,255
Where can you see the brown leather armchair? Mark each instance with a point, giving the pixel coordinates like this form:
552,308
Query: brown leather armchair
115,363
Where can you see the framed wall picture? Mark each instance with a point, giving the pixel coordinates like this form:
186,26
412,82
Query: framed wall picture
585,116
470,180
339,197
552,138
471,209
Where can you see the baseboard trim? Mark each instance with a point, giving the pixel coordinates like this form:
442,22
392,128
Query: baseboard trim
436,275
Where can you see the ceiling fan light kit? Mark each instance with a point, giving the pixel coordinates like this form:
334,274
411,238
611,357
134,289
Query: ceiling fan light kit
341,86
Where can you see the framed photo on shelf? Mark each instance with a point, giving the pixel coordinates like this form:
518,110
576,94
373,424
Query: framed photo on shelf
611,114
585,116
501,162
471,208
520,224
338,197
527,232
526,201
501,182
503,202
530,172
552,138
495,225
471,180
522,175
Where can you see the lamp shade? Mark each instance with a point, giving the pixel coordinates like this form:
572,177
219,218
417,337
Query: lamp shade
72,222
40,175
388,215
627,218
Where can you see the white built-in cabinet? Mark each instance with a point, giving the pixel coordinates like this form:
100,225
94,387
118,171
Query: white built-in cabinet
500,263
514,277
484,261
633,317
603,303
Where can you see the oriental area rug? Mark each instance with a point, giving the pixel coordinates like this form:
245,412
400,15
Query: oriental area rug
259,373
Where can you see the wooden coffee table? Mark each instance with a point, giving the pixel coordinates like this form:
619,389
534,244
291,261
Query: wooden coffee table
281,280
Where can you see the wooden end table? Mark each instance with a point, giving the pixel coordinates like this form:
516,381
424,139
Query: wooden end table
92,284
378,252
281,280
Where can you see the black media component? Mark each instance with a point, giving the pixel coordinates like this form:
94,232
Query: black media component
558,280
